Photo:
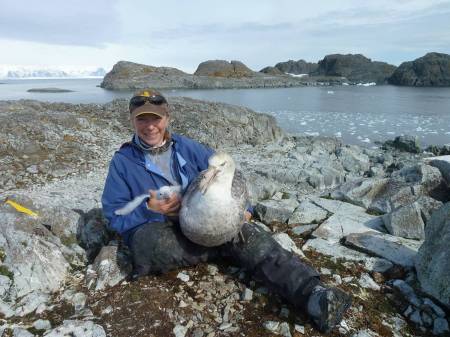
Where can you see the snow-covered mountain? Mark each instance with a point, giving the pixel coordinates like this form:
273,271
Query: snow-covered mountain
14,72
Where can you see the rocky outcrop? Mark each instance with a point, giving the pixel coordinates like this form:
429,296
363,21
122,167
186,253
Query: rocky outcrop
431,70
57,139
297,67
221,68
271,71
405,143
211,75
355,67
433,260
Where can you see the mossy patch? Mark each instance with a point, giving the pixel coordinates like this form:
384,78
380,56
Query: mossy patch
6,272
69,240
2,255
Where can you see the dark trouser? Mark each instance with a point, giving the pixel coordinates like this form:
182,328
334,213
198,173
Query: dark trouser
160,247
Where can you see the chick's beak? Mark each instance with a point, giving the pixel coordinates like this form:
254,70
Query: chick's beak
207,179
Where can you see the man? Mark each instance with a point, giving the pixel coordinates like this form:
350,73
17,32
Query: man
155,158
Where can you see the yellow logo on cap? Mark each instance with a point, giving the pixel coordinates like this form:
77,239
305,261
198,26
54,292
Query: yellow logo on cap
145,93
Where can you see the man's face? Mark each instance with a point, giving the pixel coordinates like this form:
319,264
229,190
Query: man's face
151,128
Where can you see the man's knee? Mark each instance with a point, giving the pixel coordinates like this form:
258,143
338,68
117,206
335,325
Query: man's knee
152,247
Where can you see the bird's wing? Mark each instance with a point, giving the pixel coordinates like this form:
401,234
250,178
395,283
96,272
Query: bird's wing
193,186
239,188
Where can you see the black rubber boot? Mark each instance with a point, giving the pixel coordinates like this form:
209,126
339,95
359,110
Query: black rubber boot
280,270
327,306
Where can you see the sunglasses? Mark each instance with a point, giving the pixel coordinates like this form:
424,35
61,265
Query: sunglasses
138,101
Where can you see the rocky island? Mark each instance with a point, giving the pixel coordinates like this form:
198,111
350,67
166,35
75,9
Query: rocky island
356,68
49,90
431,70
214,74
375,222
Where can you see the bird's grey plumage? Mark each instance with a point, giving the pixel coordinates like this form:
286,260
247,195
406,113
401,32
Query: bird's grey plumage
215,217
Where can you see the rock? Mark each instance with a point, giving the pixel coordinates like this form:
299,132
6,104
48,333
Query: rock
427,303
307,213
443,164
219,124
299,328
385,195
183,277
77,329
42,324
225,326
269,211
5,284
406,222
337,279
433,259
437,150
247,295
427,320
342,223
197,333
49,90
366,281
78,301
286,242
338,251
36,263
5,309
180,330
31,302
109,268
304,230
362,192
397,250
325,271
221,68
408,293
365,333
271,326
296,67
352,159
416,318
409,221
356,68
427,207
405,143
440,326
284,330
21,332
431,70
271,71
337,207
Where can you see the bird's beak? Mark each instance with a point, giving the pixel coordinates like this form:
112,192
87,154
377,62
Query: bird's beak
208,178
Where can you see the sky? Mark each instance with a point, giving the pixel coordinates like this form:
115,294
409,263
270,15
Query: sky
182,34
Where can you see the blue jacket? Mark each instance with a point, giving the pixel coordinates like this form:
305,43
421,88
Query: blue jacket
131,175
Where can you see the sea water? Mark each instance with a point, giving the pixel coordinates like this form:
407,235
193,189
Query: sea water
357,114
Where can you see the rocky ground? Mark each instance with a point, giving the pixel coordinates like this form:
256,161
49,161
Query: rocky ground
374,222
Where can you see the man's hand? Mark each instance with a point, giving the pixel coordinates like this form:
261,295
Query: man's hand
166,206
247,216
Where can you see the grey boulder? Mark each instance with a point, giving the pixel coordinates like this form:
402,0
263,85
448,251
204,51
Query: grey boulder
395,249
77,329
433,259
270,211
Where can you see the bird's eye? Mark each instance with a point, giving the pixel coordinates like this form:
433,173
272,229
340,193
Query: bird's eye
223,164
